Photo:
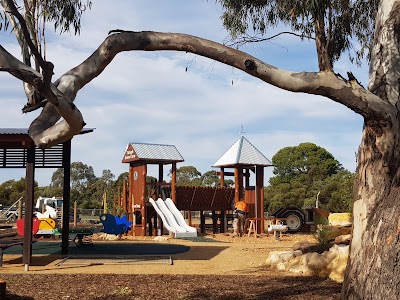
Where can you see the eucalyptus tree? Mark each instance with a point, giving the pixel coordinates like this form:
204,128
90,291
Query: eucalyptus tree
188,175
373,268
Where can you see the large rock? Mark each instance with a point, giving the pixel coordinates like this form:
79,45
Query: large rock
343,239
109,237
330,264
331,232
278,259
340,219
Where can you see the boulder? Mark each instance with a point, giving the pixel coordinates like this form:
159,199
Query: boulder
340,219
330,263
161,238
109,237
333,231
278,259
307,247
343,239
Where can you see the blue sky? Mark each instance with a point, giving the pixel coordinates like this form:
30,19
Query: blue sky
149,97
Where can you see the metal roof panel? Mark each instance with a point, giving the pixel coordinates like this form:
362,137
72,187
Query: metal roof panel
146,151
243,153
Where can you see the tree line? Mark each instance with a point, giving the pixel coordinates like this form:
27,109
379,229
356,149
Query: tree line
300,173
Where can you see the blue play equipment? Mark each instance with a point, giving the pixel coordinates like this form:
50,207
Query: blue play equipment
114,224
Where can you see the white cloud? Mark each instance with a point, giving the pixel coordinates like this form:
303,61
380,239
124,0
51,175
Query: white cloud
149,97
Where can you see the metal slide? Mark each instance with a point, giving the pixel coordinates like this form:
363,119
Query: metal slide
169,220
178,217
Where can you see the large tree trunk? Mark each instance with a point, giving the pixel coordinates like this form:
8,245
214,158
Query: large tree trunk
373,271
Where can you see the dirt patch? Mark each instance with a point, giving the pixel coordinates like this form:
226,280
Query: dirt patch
217,266
143,287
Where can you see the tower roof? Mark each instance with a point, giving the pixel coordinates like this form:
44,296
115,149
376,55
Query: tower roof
242,153
151,152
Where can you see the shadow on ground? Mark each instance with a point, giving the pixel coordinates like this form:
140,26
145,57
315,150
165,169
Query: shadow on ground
45,253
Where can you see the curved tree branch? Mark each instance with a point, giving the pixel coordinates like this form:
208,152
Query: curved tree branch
348,93
44,130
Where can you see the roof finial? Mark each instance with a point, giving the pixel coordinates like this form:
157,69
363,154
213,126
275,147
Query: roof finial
241,130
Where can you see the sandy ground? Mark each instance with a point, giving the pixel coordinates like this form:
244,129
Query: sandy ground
230,255
222,268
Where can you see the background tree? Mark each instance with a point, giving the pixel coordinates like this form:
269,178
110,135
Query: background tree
12,190
307,161
188,175
336,193
374,253
303,171
86,189
210,178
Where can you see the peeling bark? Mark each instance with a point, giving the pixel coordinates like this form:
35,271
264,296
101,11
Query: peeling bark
373,270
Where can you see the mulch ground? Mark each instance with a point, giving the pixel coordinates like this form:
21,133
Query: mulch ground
142,287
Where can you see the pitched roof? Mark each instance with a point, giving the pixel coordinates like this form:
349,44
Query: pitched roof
242,153
153,152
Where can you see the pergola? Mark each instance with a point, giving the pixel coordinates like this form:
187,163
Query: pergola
17,150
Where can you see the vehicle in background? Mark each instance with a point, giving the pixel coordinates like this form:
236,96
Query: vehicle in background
300,220
10,214
53,206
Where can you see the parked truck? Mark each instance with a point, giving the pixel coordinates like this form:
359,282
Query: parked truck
296,219
52,205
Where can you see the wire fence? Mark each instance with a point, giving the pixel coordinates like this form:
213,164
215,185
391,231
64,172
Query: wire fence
94,212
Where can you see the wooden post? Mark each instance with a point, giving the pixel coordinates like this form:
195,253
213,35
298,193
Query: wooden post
66,196
144,202
105,202
238,183
20,209
115,205
247,178
214,221
173,183
260,197
75,214
119,197
160,179
3,289
124,206
29,195
221,178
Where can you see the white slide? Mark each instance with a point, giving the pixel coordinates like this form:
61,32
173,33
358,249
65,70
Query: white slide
169,220
159,212
178,217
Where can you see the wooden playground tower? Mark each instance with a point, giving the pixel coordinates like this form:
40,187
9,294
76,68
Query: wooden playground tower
246,159
243,157
135,197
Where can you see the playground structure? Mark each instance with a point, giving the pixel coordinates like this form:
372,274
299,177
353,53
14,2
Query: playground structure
135,194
